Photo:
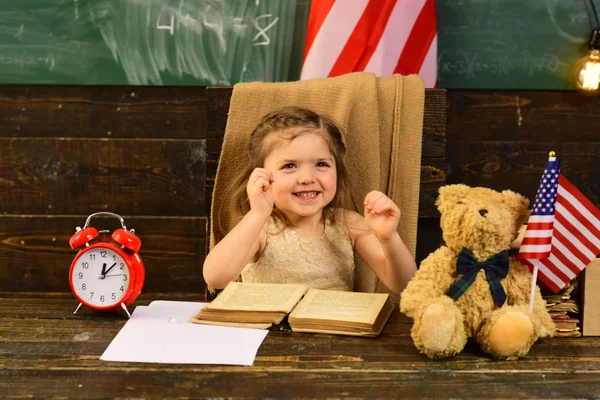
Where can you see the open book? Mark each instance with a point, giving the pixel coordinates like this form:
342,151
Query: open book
263,305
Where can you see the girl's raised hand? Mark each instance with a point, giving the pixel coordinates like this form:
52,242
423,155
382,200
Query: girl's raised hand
381,215
260,191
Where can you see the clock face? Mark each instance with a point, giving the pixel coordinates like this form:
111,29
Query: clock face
100,277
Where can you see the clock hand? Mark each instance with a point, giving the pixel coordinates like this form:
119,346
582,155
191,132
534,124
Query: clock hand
103,268
108,270
114,275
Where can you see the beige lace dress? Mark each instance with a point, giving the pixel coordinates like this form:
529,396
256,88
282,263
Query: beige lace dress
324,262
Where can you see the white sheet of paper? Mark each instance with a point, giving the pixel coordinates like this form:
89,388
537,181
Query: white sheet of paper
161,333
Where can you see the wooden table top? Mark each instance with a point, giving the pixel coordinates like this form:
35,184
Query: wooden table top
46,351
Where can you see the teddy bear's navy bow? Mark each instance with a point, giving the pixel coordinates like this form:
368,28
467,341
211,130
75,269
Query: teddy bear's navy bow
495,267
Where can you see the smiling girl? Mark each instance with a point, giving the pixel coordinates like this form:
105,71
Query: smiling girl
294,223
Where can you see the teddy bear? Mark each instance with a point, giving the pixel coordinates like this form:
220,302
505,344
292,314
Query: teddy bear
471,288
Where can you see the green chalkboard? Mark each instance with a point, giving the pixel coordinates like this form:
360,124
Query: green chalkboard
151,42
512,44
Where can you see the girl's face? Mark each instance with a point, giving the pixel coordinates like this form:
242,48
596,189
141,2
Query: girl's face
304,174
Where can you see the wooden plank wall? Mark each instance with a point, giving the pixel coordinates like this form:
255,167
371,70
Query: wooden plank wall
68,151
501,139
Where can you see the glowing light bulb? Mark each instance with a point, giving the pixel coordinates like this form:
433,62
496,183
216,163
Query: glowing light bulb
587,69
587,72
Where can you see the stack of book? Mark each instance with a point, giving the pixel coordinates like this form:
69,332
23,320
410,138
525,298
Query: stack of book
564,310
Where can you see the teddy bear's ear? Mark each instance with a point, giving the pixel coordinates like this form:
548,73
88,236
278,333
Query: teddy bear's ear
450,195
518,205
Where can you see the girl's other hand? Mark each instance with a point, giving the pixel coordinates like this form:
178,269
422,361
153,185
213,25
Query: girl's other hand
260,191
381,215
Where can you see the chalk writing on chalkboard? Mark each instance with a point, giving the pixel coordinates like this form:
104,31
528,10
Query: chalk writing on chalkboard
149,42
510,43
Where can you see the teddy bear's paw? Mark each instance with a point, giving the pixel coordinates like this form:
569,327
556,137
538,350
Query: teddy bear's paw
440,330
437,328
510,335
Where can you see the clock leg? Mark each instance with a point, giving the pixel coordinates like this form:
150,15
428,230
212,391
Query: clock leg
124,307
77,309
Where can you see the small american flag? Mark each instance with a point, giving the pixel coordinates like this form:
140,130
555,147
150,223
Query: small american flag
379,36
563,232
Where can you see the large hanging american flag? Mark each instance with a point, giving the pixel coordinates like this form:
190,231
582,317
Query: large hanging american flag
379,36
563,232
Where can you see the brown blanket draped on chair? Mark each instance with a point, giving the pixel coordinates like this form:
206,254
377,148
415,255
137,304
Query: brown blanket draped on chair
382,120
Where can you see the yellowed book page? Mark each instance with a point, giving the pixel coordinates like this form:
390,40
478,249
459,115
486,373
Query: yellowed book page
340,306
334,332
240,296
235,324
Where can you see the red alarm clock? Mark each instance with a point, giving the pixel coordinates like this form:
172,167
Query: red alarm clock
107,273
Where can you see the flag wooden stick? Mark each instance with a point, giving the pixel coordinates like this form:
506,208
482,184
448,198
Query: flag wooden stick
533,281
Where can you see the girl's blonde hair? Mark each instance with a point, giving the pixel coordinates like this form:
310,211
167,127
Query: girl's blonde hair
289,123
